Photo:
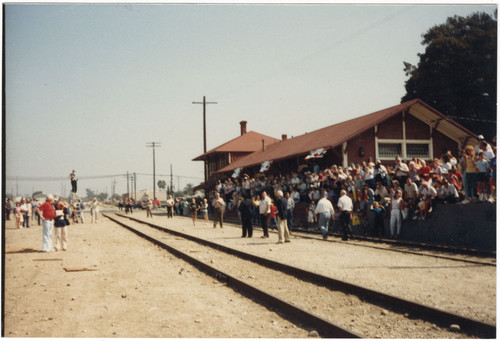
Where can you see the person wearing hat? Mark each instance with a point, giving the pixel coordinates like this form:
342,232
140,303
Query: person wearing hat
482,141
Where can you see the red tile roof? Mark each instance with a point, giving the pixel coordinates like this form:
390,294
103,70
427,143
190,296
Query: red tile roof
335,135
248,142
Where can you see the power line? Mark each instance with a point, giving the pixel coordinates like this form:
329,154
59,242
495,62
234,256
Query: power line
63,178
90,177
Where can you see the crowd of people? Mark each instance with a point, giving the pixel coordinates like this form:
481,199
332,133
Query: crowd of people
55,215
397,191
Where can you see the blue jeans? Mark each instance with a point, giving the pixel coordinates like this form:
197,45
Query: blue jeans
26,220
470,185
48,226
323,221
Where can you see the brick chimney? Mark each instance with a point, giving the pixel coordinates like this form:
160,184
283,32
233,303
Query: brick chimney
283,137
243,126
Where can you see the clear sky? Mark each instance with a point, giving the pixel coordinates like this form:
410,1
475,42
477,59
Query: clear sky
87,86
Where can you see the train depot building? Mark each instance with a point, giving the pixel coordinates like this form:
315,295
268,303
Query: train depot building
411,129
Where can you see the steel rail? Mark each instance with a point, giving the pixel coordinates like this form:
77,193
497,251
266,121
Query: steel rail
416,245
396,304
293,313
401,242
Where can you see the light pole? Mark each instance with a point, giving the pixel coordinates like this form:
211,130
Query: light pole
154,145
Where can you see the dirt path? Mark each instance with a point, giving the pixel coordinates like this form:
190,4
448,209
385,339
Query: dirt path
129,288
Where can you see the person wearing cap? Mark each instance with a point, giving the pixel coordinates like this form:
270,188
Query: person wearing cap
47,213
482,141
345,206
324,212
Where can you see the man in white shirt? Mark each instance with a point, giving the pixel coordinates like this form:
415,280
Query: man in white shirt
324,211
265,214
401,170
218,206
345,206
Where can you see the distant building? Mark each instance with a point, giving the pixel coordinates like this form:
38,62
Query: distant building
411,129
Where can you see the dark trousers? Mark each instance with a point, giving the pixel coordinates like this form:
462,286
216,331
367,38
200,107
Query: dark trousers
379,226
246,224
7,214
73,186
218,216
264,219
170,212
345,220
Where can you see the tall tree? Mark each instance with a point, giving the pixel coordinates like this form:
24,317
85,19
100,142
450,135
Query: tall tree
458,71
161,184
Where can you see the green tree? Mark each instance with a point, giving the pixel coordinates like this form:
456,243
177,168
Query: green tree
188,190
102,196
90,194
457,73
162,184
36,193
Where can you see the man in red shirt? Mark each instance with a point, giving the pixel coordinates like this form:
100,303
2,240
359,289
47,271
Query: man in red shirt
47,213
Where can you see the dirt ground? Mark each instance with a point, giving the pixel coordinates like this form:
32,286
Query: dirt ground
129,288
126,287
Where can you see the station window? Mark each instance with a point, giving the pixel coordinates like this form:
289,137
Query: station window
419,150
389,150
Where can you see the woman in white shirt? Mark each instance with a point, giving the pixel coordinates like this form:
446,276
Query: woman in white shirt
396,206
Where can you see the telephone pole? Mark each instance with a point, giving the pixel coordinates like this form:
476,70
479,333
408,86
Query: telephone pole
154,145
128,190
171,181
205,131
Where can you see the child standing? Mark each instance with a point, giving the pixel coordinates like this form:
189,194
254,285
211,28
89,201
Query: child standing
204,211
193,207
483,168
273,223
379,213
310,216
61,229
422,205
19,215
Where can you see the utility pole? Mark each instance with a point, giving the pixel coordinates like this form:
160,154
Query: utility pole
135,187
128,191
171,181
205,131
153,145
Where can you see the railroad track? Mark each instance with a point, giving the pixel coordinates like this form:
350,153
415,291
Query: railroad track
479,257
322,290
